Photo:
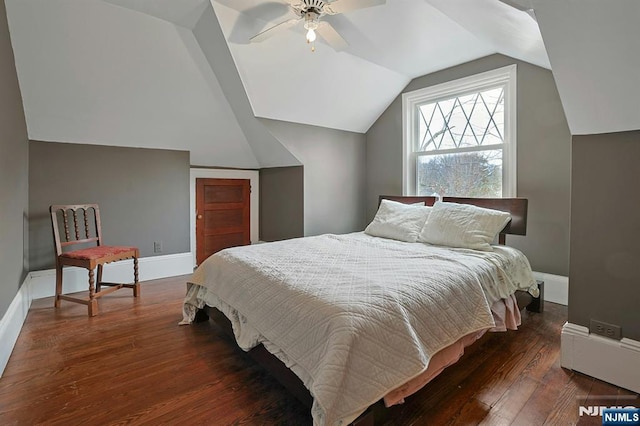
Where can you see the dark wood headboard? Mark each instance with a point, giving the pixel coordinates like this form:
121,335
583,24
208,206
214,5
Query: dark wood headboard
517,207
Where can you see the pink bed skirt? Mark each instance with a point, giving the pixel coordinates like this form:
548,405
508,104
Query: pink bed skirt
506,316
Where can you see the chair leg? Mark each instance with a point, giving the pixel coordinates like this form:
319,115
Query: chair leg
93,307
58,285
99,278
136,286
93,302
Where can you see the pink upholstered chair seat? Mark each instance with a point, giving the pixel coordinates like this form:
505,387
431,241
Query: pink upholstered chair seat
98,252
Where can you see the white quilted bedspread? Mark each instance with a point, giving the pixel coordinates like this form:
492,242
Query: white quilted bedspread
355,316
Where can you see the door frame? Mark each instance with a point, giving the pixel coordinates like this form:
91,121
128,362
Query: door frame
252,175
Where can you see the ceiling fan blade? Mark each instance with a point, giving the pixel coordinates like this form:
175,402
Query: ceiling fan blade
273,30
342,6
331,36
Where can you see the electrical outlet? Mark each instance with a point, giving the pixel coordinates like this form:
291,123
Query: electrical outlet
607,330
157,246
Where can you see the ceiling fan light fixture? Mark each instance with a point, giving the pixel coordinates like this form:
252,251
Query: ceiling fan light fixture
311,22
310,12
311,35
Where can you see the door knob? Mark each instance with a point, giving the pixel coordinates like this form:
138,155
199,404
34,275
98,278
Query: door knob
199,216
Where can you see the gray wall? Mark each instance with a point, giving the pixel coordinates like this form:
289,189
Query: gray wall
334,175
281,203
14,174
143,195
544,149
604,279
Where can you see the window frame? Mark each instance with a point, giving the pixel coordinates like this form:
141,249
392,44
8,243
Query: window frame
505,76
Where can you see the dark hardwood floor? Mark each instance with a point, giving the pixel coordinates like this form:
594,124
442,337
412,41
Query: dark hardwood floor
133,364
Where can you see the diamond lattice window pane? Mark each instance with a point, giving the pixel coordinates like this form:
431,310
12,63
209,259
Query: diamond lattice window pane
466,121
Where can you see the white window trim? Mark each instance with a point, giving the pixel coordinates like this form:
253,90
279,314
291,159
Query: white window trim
411,100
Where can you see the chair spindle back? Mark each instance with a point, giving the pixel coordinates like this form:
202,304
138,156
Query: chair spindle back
67,221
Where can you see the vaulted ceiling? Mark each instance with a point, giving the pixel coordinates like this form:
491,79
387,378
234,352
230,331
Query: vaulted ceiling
183,74
388,46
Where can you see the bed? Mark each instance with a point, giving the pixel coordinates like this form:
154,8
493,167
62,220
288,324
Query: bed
345,321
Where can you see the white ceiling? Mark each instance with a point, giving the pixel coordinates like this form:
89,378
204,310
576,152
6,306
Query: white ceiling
182,74
389,45
184,13
94,73
596,61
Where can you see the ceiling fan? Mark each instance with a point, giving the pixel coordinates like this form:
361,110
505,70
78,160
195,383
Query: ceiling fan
309,12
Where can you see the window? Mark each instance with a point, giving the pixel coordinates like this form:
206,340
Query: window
460,137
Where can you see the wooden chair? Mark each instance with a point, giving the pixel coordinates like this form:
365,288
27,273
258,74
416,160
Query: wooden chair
87,257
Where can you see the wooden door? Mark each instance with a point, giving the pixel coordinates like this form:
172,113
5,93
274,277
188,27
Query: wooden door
222,215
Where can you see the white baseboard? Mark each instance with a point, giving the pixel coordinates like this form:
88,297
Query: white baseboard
11,322
556,287
39,284
613,361
43,283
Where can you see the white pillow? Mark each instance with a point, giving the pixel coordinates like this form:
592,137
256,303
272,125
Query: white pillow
398,221
463,225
